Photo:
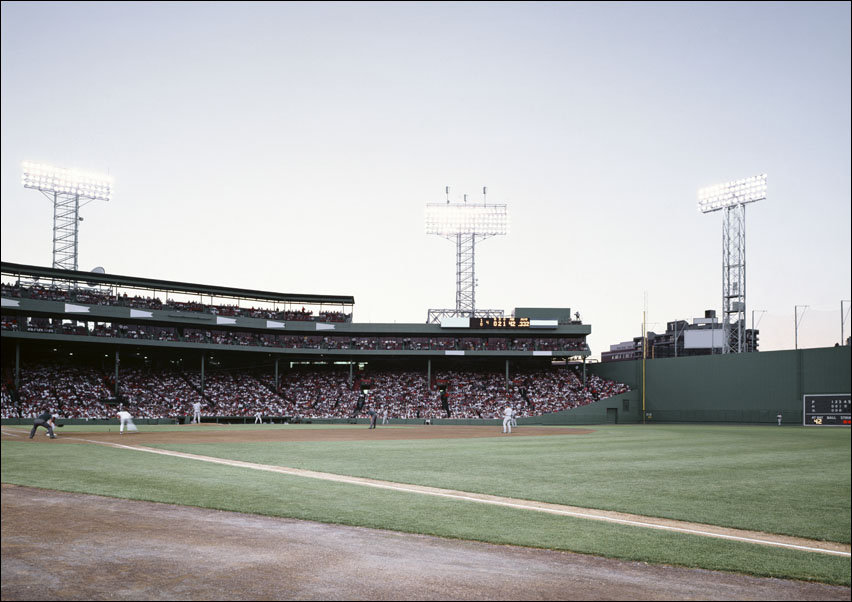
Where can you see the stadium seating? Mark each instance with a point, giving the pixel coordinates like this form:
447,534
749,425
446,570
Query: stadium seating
311,392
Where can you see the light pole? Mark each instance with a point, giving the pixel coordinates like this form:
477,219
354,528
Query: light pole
674,327
464,224
675,337
732,197
763,311
797,320
65,188
843,319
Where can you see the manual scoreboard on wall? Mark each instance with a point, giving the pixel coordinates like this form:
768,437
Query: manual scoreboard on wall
827,410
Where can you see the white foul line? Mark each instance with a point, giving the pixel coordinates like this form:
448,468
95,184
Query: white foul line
461,496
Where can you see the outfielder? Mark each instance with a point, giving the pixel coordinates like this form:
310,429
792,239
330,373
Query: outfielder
126,420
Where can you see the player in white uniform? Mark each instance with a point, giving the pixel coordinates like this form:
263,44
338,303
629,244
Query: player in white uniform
514,417
507,420
258,418
126,420
196,412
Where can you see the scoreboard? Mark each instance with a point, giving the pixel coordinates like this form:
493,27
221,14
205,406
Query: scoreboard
500,323
827,410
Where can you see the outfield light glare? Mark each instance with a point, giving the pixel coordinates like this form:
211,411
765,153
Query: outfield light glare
738,192
70,182
450,219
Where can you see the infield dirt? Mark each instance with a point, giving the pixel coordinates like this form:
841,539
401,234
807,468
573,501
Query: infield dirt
203,433
96,548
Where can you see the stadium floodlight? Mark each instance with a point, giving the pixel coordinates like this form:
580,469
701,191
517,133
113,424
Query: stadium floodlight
730,194
483,220
732,197
65,187
66,181
464,224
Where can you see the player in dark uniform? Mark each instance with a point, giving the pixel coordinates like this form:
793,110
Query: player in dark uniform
373,415
45,420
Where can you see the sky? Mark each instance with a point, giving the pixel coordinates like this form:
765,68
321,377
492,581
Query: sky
292,147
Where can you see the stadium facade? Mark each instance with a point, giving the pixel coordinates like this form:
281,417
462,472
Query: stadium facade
119,321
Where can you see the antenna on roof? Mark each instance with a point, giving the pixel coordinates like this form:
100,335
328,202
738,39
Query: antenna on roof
484,198
448,194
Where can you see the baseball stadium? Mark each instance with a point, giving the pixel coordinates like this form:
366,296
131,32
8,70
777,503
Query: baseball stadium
276,448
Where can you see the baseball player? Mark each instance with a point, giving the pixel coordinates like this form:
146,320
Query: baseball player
514,417
258,418
46,419
507,420
373,415
126,420
196,412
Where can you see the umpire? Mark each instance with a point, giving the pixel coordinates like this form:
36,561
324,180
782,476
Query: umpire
45,420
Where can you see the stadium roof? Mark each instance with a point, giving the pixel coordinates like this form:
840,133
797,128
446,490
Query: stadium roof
38,272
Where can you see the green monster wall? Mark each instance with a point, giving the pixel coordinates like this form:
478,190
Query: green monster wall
744,388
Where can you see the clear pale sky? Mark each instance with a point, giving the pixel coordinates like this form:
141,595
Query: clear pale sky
293,147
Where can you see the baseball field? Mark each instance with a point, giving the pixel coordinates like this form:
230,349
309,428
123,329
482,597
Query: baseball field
605,512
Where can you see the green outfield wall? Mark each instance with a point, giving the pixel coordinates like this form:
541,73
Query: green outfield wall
743,387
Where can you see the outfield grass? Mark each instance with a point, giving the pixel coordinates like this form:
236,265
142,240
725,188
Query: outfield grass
793,481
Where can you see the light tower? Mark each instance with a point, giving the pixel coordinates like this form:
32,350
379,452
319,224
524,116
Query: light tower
465,224
732,197
65,188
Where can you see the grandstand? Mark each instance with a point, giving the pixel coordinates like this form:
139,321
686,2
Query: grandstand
88,342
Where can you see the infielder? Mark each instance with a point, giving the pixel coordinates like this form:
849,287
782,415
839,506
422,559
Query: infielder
196,412
126,420
514,417
258,418
507,420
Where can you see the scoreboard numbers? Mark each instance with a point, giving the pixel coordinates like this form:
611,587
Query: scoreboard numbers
827,410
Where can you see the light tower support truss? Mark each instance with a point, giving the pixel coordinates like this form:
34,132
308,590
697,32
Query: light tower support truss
734,278
66,215
732,197
65,188
465,224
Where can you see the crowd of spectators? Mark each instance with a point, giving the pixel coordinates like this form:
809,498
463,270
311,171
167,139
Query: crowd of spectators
314,392
80,391
156,394
232,393
95,296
